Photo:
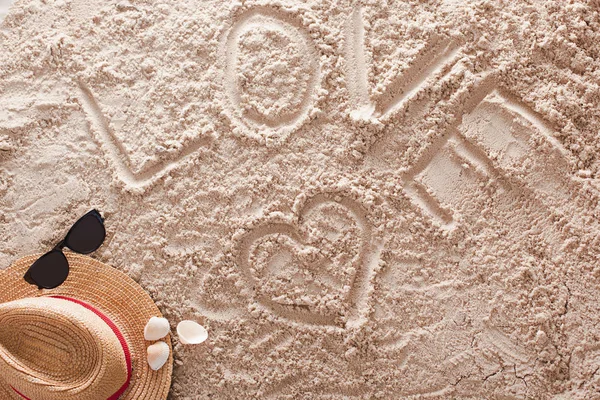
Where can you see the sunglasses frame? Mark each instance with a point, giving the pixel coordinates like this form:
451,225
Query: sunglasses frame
64,243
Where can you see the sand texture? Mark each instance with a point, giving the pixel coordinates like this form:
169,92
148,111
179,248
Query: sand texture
359,200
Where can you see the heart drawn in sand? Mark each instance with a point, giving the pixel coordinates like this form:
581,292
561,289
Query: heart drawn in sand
310,268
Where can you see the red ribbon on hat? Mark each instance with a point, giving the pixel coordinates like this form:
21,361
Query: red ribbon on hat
119,335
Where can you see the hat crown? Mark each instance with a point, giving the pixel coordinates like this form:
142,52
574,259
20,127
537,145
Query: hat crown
59,349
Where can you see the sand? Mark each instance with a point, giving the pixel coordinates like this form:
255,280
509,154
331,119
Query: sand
4,6
367,200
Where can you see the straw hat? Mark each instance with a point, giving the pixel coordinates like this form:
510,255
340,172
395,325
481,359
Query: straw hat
83,340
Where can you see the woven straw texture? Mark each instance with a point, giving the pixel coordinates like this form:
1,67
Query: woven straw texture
55,349
114,294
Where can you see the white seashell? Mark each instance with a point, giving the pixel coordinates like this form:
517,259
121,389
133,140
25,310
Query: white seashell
158,354
191,332
156,328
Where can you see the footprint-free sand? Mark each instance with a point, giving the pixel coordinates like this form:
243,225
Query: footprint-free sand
359,200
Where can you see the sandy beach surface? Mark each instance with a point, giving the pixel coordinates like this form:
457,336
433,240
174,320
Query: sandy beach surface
359,200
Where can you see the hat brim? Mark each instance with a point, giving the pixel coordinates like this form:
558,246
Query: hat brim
115,294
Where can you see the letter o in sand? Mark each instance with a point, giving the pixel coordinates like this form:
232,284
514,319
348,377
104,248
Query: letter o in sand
271,72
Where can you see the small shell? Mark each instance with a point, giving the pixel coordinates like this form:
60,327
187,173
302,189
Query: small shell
191,332
158,354
156,328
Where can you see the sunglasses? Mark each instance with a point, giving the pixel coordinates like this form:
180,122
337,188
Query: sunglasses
52,269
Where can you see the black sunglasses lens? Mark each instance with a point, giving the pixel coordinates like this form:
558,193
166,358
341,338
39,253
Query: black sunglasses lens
49,271
87,234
